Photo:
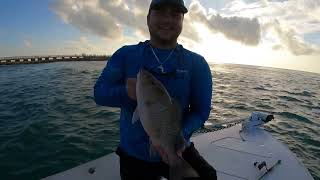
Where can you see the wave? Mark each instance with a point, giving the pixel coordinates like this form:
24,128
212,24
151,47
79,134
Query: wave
290,115
265,106
288,98
240,106
303,93
260,88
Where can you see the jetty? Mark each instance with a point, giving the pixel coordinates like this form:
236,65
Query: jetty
50,59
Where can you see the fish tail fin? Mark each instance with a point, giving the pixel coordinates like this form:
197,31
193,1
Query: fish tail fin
179,169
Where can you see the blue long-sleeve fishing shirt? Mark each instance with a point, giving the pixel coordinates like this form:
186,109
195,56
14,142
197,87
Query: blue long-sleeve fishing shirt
187,78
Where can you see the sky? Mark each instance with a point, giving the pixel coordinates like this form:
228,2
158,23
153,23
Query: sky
272,33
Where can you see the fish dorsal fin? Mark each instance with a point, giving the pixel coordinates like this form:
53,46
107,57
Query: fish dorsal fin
135,116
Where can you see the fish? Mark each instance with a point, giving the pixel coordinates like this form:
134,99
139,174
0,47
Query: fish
161,118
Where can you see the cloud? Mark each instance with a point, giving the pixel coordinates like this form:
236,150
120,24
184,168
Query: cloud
277,47
133,17
109,18
291,40
87,16
286,21
105,18
244,21
241,29
27,43
301,15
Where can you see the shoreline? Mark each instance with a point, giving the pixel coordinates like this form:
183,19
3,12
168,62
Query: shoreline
50,59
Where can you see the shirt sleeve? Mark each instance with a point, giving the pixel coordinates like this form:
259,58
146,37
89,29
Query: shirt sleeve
201,94
110,88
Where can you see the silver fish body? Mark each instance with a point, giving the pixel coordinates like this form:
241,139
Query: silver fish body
161,118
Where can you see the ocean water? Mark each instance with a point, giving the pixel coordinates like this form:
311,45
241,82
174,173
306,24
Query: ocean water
50,123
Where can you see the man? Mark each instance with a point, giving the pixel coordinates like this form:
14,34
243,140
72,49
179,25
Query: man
186,76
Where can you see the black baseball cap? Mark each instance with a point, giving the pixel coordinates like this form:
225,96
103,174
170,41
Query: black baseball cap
155,4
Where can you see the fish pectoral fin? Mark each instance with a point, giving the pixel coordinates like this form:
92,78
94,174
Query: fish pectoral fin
135,116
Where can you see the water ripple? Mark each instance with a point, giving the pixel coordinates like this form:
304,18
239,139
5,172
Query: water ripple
50,123
289,98
290,115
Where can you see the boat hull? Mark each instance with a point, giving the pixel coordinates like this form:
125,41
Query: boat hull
231,152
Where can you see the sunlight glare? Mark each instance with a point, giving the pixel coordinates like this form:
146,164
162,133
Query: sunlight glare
215,47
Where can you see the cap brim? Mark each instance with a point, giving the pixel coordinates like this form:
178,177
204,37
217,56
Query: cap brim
181,8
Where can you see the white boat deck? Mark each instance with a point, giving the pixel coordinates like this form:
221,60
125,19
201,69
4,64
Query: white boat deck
231,153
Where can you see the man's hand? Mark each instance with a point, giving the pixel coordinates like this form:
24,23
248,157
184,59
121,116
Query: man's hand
180,151
131,88
164,155
180,147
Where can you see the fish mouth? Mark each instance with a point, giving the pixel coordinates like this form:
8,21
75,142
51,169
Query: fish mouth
144,71
145,75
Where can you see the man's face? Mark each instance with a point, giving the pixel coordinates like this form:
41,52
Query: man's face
165,23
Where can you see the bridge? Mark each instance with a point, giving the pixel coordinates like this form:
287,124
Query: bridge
49,59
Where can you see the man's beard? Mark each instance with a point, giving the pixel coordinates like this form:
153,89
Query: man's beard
164,41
